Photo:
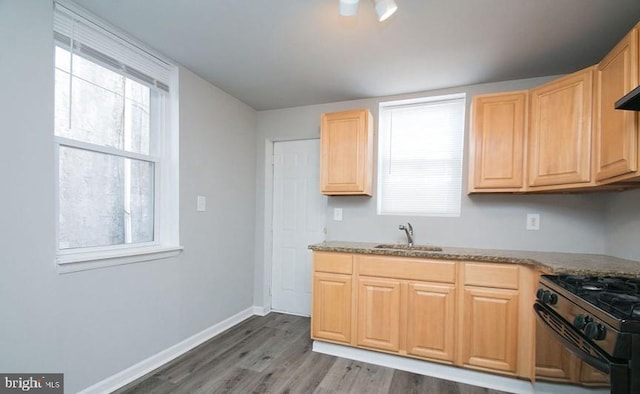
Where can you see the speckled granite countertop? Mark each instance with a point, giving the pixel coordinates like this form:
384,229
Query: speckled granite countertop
556,263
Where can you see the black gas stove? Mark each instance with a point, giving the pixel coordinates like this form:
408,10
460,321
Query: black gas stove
598,320
615,300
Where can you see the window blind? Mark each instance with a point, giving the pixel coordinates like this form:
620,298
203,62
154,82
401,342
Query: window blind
80,35
420,156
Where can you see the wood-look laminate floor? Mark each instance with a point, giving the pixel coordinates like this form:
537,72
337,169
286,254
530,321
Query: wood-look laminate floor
272,354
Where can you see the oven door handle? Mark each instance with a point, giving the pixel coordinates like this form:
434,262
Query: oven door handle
602,363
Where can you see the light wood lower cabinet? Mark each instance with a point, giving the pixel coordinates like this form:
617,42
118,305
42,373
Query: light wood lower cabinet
407,306
431,320
590,376
331,318
470,314
414,318
490,328
332,306
496,318
379,313
555,363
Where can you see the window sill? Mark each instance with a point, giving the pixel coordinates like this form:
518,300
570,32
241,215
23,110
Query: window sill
93,260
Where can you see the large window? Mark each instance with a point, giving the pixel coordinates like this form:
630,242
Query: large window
420,156
116,146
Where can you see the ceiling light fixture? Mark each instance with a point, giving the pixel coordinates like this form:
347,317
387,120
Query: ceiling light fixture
349,7
384,8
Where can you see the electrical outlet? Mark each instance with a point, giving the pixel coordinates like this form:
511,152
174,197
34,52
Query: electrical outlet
533,221
337,214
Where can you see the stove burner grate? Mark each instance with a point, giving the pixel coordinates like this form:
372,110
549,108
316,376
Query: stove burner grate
593,286
625,304
578,284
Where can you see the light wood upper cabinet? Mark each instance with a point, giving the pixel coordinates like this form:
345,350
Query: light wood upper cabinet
573,138
560,131
346,157
430,327
616,137
497,149
379,313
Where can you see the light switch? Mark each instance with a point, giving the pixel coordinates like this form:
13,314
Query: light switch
201,204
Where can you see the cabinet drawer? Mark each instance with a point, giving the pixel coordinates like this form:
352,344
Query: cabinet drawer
407,268
339,263
504,276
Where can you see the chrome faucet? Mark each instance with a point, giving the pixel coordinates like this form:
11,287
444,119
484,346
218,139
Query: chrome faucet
408,229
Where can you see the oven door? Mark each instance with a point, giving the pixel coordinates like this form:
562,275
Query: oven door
566,361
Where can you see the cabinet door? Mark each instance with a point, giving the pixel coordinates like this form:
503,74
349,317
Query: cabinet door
590,376
616,130
497,142
430,320
379,313
331,315
490,324
346,140
554,362
560,132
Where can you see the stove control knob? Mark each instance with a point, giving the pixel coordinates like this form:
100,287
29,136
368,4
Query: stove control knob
581,321
547,297
595,331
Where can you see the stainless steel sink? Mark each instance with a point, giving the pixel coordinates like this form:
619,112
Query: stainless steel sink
422,248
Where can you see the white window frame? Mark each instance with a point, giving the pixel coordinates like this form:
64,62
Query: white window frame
166,241
384,133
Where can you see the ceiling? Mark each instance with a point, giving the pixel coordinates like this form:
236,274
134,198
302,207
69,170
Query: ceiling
284,53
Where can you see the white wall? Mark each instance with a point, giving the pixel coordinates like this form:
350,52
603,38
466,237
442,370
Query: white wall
623,225
569,223
90,325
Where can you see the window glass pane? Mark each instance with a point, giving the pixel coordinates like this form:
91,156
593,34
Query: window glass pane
97,75
63,59
96,114
104,199
420,157
136,117
101,106
140,206
62,96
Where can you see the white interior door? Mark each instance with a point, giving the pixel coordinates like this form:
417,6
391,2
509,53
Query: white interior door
298,221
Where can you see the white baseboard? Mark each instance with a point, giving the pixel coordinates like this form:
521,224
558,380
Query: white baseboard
551,388
142,368
426,368
291,313
261,310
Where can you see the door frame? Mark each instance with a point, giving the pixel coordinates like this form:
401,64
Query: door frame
267,246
